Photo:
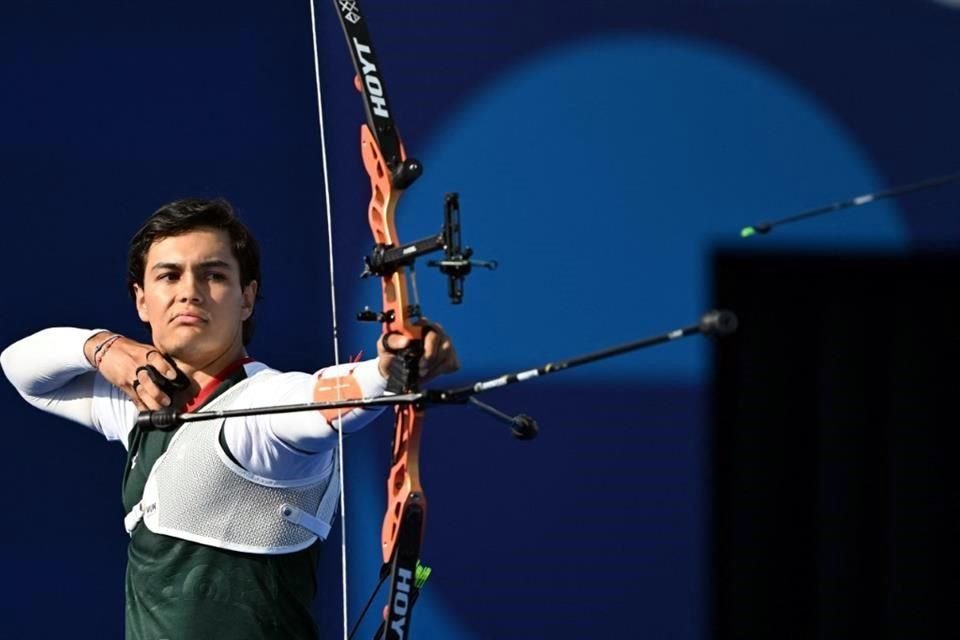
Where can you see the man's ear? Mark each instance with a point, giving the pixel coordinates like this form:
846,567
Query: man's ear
141,303
249,295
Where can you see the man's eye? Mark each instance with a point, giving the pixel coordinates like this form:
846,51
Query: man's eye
169,276
216,276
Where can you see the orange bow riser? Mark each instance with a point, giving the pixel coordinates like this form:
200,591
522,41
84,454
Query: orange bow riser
406,504
390,172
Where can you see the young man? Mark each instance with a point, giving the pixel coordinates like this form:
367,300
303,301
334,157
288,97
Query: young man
223,515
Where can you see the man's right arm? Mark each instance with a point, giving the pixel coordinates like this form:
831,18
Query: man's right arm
52,370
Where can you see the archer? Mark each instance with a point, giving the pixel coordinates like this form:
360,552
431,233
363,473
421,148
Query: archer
224,516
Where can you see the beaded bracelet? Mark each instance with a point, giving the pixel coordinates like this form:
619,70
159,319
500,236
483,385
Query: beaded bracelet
102,349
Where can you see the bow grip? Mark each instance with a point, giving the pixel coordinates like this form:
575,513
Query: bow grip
403,374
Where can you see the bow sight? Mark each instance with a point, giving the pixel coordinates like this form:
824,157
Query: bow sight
456,264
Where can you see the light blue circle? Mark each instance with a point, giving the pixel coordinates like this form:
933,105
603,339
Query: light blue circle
602,174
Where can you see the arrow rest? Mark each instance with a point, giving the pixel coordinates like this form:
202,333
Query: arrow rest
369,315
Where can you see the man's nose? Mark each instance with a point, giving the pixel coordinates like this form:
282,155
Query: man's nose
189,289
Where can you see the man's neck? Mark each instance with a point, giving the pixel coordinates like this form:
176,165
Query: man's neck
207,369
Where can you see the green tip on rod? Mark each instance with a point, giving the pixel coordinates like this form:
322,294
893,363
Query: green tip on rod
746,232
423,572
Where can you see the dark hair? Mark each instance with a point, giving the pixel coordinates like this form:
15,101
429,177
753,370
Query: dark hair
183,216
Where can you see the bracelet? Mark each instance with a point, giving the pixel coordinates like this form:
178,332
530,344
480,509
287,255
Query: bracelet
102,349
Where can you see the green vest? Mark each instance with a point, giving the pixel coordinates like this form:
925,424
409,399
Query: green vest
180,590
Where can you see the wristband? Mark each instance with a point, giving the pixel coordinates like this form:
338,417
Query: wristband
102,349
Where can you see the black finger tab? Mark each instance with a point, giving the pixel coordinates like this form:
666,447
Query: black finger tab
165,384
181,382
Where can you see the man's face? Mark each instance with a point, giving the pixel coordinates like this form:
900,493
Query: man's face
192,298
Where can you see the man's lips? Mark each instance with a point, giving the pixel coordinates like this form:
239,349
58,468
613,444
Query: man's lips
188,318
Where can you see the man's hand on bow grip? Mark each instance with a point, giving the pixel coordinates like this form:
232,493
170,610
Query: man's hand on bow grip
439,355
120,364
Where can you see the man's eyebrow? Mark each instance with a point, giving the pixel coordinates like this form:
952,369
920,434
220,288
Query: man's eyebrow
211,262
214,262
165,265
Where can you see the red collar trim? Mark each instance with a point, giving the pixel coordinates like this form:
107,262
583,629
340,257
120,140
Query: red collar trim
217,380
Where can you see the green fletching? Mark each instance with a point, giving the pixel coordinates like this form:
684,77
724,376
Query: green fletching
746,232
423,572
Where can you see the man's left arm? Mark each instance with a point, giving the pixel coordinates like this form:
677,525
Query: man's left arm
285,446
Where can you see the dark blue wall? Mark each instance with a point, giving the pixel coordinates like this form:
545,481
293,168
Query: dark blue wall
601,151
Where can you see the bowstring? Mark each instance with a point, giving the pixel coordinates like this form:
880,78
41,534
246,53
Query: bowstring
333,307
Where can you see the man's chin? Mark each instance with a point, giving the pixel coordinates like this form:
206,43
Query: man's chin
194,348
185,350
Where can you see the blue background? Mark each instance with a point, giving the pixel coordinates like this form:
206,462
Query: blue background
602,151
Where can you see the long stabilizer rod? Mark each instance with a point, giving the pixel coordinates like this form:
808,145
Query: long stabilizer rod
717,323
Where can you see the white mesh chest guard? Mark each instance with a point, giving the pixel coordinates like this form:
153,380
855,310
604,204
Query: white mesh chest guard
195,492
